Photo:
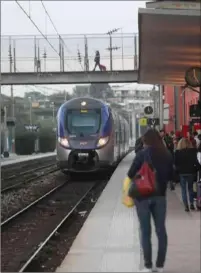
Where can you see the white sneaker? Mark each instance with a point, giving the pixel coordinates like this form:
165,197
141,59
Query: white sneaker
159,269
146,270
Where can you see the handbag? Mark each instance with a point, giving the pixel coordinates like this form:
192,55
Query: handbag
144,183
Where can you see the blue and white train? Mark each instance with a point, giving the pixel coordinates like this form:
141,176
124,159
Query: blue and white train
90,136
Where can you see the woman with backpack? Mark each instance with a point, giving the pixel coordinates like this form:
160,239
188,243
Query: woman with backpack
153,205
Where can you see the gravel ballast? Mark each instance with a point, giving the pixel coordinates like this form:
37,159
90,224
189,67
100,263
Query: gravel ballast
21,237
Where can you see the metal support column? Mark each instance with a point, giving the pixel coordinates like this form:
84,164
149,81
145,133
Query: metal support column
161,106
6,146
176,107
135,53
12,140
184,107
35,55
86,57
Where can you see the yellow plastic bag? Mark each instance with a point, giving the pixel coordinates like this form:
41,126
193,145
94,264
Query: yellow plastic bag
126,200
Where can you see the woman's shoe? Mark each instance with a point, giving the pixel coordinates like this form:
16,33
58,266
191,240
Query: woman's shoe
187,209
160,269
146,270
192,207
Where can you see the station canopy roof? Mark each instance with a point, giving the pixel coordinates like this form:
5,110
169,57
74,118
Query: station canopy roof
169,43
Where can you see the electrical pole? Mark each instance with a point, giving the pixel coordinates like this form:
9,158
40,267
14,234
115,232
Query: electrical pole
35,55
79,56
12,148
38,59
86,57
111,48
61,54
45,58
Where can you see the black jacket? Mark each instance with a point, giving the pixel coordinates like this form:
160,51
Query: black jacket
186,161
138,145
162,164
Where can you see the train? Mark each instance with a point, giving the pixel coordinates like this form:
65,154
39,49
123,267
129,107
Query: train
90,136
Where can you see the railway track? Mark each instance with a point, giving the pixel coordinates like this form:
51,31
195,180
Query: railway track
29,230
18,177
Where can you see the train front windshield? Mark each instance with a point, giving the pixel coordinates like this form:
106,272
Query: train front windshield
83,122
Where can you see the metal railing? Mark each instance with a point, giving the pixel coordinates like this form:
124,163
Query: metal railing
34,54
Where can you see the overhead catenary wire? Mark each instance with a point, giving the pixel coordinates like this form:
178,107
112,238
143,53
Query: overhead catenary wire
44,36
79,60
69,51
54,26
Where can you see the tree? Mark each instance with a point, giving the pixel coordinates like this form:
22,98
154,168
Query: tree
80,91
59,98
101,91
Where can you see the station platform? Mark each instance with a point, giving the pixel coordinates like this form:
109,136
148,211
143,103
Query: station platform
109,240
13,159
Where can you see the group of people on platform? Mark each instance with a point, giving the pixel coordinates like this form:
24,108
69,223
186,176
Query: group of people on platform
170,153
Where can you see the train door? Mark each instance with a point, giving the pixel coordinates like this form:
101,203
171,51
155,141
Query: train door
116,136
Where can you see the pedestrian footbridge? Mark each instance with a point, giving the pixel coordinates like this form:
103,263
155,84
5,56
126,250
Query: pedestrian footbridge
73,77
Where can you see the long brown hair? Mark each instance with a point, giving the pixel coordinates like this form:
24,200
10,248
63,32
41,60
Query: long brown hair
153,139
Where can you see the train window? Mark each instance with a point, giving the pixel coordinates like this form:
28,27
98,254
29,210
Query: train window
120,131
83,123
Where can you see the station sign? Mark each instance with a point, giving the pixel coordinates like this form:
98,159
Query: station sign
143,121
153,121
33,128
10,122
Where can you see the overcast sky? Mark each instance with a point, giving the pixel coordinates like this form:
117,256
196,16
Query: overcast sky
69,17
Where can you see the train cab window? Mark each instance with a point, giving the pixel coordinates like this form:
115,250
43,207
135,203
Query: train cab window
83,122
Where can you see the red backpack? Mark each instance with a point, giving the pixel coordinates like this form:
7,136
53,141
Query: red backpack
144,183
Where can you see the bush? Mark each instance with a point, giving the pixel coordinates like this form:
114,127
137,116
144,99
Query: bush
25,143
47,141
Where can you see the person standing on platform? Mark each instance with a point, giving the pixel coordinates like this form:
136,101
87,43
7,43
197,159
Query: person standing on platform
162,134
196,138
154,205
186,164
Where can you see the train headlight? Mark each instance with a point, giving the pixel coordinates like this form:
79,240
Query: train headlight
102,141
63,141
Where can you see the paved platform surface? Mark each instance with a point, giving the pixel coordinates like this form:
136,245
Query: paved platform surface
109,239
22,158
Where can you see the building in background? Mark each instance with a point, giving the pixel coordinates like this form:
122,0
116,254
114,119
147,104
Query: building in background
178,102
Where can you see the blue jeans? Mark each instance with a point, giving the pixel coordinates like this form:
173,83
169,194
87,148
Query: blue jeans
187,180
155,207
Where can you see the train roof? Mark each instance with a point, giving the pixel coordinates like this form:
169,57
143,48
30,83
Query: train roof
84,102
